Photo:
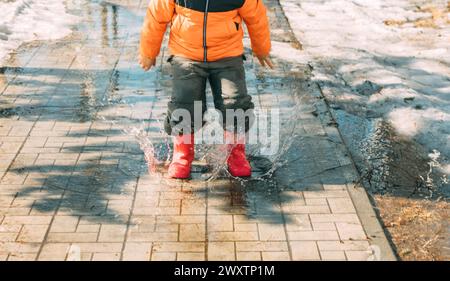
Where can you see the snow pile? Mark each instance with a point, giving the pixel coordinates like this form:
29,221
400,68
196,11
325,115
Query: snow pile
28,20
383,59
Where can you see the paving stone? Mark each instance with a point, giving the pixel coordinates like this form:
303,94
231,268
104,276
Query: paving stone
72,237
271,232
268,218
325,194
351,218
313,209
192,232
222,210
190,257
137,251
245,227
99,247
54,251
19,247
323,226
358,255
304,250
334,187
18,202
350,231
315,201
22,257
64,224
106,257
192,207
8,236
167,227
275,256
32,233
341,205
232,236
152,236
179,246
26,220
248,256
112,233
332,255
158,256
220,223
218,251
169,203
261,246
88,228
181,219
313,235
343,245
15,211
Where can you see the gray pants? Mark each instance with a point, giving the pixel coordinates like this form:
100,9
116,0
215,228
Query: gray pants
227,80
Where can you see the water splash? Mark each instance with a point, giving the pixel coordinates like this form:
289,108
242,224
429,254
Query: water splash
433,164
156,156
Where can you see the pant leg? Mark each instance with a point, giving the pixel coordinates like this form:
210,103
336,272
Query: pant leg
188,85
227,80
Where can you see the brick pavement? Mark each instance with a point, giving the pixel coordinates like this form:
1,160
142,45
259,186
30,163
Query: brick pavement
74,186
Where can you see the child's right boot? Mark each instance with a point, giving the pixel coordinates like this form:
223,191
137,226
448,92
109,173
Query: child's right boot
183,155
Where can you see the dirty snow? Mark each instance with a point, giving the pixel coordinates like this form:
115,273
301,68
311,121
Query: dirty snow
28,20
382,59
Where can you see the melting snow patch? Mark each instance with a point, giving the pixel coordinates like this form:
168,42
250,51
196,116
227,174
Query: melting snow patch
28,20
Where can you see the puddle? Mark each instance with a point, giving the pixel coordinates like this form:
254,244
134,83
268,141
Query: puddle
130,90
388,163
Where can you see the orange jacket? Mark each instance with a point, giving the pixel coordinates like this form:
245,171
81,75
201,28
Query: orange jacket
205,30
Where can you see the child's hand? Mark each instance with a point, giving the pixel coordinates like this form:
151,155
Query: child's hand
265,60
146,63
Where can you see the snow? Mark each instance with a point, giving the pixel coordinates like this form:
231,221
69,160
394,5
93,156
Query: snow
28,20
286,52
400,73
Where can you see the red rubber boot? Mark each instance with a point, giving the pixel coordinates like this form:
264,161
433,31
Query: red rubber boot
183,155
238,165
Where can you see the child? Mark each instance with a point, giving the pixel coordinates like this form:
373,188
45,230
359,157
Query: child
206,44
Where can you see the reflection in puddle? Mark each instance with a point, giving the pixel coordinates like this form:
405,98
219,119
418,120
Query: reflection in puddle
109,23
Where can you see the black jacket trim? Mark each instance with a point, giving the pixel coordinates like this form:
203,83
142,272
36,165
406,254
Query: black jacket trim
214,6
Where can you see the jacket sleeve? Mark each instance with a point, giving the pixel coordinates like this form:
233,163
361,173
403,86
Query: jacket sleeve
254,15
159,14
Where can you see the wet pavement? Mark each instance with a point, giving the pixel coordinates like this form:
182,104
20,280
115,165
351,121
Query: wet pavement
381,81
387,86
77,115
